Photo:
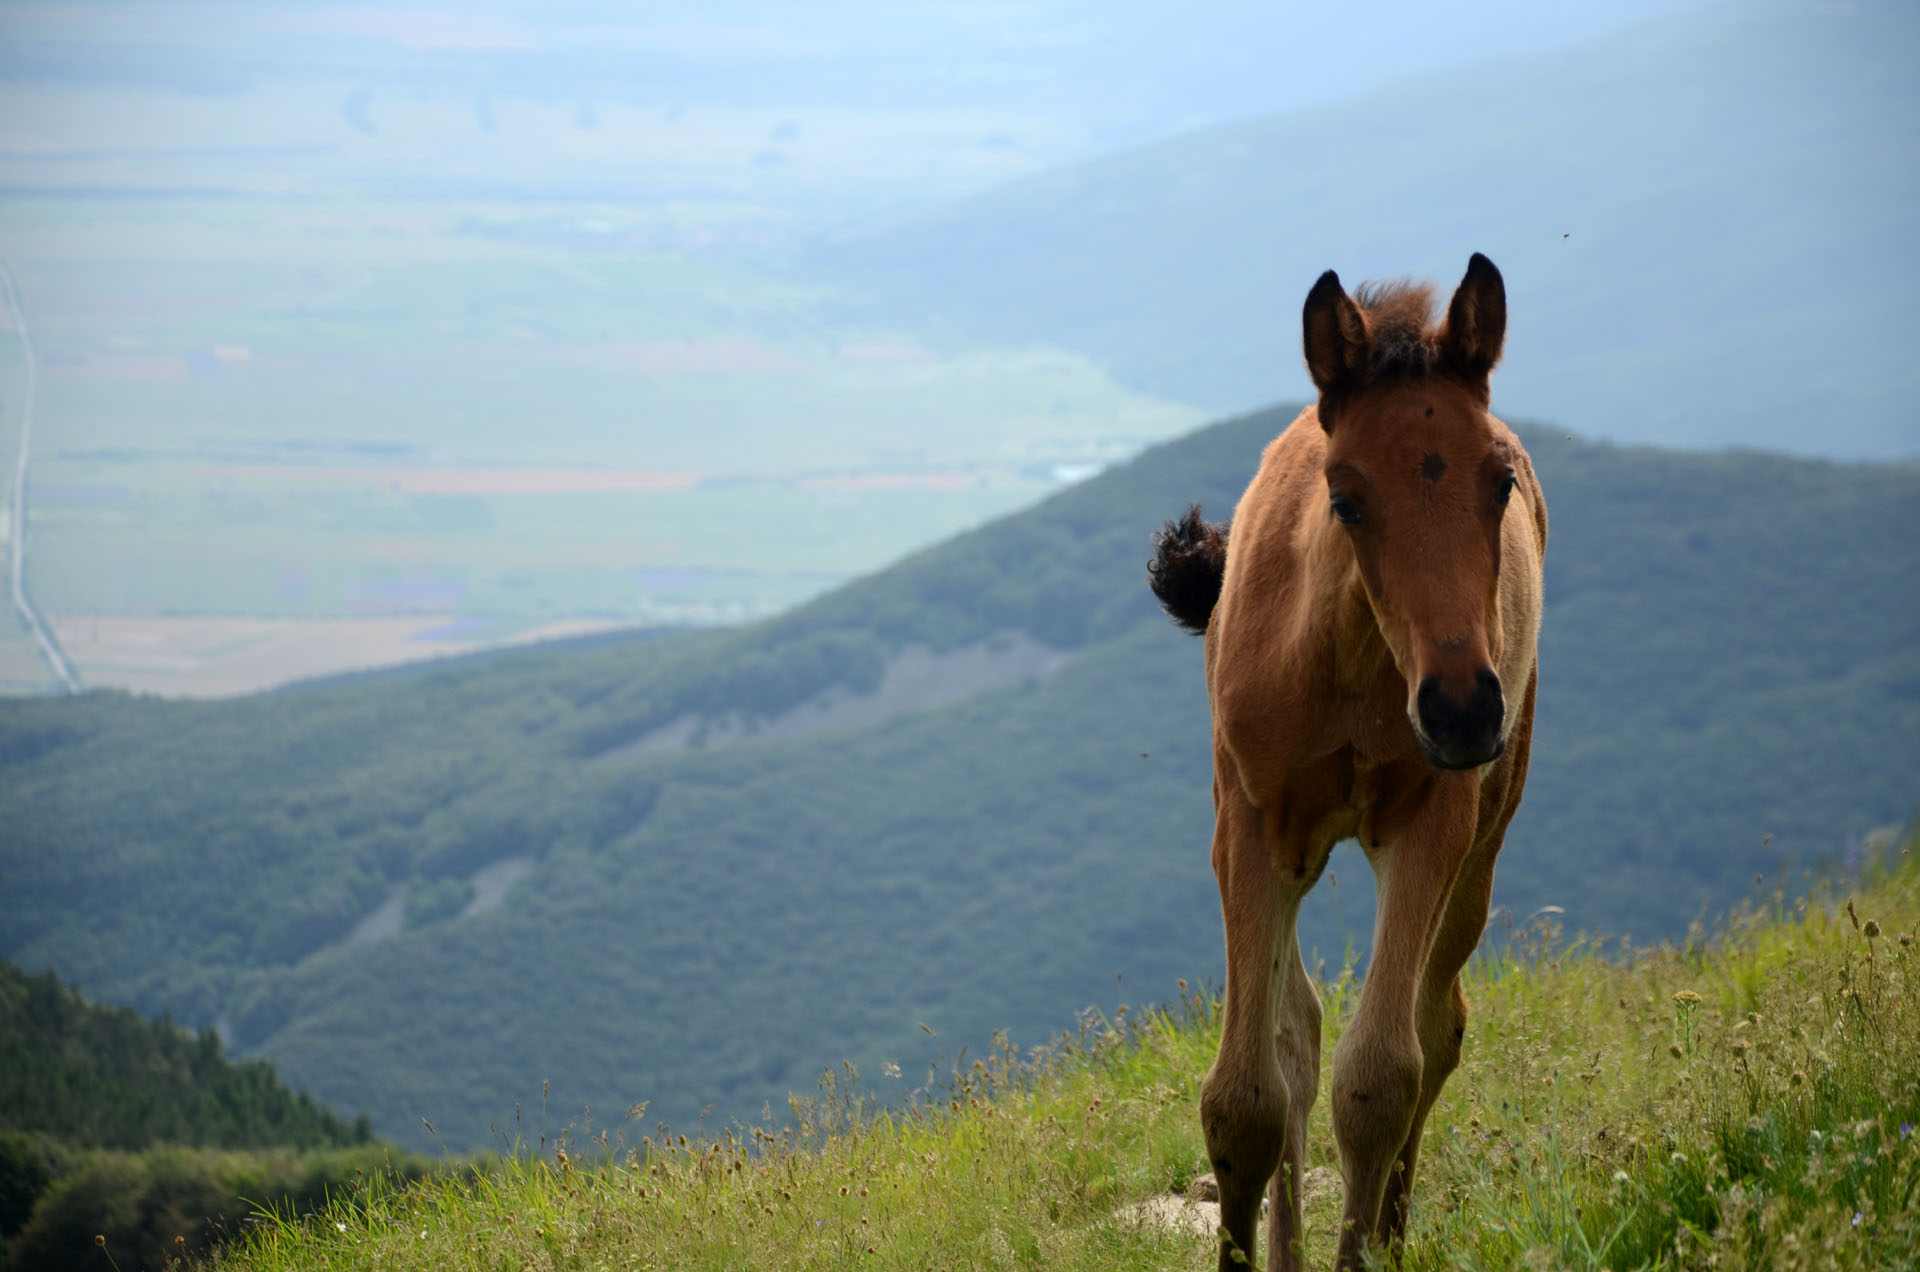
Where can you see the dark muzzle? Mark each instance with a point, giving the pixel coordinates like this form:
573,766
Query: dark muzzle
1460,734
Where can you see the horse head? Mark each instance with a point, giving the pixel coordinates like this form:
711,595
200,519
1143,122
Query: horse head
1419,480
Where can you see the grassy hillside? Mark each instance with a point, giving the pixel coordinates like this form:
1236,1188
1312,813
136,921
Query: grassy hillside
1681,211
1750,1103
1729,655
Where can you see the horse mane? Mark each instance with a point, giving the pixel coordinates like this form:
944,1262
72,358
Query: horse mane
1404,343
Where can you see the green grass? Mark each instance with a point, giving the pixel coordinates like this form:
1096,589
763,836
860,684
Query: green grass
1748,1102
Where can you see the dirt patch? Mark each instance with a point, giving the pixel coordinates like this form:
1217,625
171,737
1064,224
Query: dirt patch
915,679
1197,1210
22,669
492,883
1175,1213
138,368
219,657
383,922
399,480
891,481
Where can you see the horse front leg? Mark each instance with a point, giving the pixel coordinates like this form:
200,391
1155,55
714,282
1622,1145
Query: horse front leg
1440,1011
1441,1017
1440,1014
1245,1101
1380,1064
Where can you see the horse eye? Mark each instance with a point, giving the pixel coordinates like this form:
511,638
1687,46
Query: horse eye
1504,490
1347,510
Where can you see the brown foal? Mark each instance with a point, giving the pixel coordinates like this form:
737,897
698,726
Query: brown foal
1370,617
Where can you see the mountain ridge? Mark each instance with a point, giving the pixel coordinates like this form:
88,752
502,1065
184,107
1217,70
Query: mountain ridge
709,927
1661,292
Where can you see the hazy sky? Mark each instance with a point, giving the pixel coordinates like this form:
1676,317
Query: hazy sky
888,102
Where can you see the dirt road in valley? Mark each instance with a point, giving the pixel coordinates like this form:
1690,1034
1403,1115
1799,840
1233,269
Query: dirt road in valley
49,648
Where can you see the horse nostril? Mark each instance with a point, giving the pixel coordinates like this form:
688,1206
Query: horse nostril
1427,699
1468,722
1440,716
1488,706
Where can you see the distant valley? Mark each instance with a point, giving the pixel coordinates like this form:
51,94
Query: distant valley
316,397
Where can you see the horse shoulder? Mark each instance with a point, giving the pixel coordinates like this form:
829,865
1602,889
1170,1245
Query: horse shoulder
1530,488
1262,662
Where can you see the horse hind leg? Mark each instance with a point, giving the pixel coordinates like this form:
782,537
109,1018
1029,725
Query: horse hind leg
1246,1103
1297,1045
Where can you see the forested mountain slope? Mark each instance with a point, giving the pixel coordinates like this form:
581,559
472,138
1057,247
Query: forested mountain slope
111,1123
107,1077
426,895
1703,221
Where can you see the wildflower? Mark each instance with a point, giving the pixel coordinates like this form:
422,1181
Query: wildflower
1872,930
1687,998
1906,1129
1856,1214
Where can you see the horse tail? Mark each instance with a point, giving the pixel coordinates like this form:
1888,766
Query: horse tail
1189,560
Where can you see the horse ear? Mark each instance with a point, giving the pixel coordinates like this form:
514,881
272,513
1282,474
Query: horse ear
1476,320
1335,334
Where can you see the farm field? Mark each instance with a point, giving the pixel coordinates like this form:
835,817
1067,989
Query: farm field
21,668
393,417
212,657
